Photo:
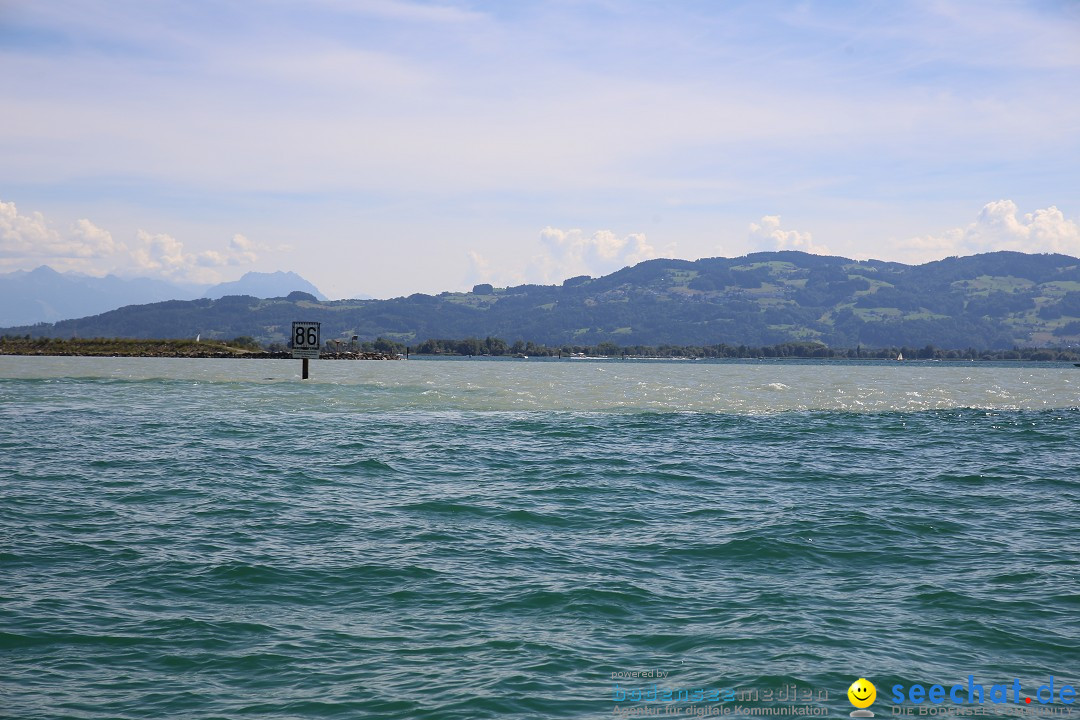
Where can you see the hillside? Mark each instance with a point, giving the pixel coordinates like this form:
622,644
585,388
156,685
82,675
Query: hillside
995,300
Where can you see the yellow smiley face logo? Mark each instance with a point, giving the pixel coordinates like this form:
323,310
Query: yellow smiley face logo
862,693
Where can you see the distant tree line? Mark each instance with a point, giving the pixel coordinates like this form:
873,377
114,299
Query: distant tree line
496,347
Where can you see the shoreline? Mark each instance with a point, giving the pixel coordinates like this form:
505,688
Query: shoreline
247,348
208,355
163,349
543,359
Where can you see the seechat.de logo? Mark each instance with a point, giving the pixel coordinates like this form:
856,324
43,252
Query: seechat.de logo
862,694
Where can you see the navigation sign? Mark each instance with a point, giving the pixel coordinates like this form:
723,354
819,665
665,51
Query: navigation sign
305,340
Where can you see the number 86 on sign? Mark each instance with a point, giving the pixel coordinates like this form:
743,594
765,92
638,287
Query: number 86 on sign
305,340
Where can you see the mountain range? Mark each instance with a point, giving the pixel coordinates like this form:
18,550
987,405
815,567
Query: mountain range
264,285
993,300
45,295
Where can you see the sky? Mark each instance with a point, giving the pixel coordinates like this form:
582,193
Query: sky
386,147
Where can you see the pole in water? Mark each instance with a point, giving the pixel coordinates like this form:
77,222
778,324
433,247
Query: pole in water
304,372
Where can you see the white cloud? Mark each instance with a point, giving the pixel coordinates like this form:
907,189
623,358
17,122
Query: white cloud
28,240
768,235
31,237
158,253
479,269
95,241
162,254
563,254
241,251
1000,227
568,253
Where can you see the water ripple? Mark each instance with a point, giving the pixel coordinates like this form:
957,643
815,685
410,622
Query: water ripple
226,548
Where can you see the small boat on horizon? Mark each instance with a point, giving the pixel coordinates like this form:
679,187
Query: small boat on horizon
900,357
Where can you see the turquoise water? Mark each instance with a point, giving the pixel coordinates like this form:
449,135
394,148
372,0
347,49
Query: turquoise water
216,539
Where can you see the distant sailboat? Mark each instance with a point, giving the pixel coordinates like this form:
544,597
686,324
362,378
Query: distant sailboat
197,337
900,357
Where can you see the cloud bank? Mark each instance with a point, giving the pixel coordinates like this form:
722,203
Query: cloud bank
999,226
564,254
336,120
31,237
28,240
768,235
571,252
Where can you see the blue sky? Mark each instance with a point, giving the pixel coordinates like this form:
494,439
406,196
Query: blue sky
387,147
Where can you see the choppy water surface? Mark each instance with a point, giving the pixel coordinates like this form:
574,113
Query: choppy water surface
455,539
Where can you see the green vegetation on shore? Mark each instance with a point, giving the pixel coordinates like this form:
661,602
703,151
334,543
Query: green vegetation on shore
126,347
239,347
496,347
245,347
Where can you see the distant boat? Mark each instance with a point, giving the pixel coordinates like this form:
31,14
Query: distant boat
523,356
900,357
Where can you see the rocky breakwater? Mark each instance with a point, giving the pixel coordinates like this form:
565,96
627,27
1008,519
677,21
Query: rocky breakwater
358,356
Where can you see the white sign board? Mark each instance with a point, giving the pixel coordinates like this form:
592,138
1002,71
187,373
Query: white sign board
305,340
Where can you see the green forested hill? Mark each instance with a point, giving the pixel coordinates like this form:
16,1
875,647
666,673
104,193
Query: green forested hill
995,300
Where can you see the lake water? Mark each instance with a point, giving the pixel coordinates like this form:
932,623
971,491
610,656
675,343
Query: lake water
513,539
